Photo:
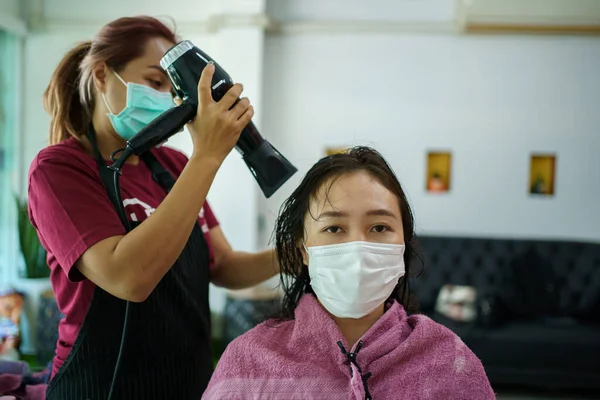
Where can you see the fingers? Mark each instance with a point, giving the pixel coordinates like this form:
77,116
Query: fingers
240,108
231,96
204,85
245,117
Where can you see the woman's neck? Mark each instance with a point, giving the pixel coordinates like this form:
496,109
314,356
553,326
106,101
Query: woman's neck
107,140
353,329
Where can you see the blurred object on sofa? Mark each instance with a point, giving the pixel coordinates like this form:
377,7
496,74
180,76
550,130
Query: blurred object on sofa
457,302
14,367
49,317
18,382
11,307
538,303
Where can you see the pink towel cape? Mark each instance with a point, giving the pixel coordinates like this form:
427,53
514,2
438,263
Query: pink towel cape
401,357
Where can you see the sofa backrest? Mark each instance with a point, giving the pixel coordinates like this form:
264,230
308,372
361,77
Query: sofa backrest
572,268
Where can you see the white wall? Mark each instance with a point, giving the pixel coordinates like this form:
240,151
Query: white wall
73,11
10,7
10,17
491,100
359,10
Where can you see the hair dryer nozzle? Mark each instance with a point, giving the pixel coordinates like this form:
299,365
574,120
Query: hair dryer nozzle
270,169
184,64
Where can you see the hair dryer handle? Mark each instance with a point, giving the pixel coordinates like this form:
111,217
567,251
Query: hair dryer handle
161,128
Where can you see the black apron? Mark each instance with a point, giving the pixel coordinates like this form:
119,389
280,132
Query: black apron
167,348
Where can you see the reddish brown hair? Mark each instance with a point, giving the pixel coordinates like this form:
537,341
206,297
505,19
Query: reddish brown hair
69,97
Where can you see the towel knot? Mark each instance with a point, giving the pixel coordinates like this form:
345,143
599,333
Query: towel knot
351,357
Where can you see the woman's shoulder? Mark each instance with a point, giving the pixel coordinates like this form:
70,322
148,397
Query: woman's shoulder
426,328
171,152
434,338
171,158
66,149
247,354
67,153
266,337
262,336
445,356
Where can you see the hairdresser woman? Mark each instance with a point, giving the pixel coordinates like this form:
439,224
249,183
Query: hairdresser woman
100,95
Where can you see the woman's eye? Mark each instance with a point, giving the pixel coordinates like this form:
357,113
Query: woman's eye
154,83
333,229
380,228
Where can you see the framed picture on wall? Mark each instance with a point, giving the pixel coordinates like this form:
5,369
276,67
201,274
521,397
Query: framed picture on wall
439,172
542,174
329,151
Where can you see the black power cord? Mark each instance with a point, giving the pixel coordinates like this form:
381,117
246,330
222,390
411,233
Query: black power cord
116,167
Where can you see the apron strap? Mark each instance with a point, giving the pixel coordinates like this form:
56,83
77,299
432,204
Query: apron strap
106,174
159,173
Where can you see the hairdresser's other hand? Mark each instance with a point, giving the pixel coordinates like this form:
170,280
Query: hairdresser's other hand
217,126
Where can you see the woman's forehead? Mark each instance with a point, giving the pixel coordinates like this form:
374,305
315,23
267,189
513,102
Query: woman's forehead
352,193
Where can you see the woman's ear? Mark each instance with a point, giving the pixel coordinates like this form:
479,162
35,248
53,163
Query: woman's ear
99,73
302,248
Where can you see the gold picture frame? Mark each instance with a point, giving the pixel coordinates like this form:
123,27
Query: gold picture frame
439,172
329,151
542,171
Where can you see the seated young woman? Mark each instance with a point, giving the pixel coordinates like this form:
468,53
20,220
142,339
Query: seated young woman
345,242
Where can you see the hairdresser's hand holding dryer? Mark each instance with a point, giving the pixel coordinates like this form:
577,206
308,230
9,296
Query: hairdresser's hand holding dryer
135,300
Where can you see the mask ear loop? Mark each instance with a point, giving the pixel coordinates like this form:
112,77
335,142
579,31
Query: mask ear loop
305,250
119,76
104,98
308,257
106,103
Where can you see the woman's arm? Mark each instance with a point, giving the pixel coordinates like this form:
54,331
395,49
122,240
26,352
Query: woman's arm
131,266
239,270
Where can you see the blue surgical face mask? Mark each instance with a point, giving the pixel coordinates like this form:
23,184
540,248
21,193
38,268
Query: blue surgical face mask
144,104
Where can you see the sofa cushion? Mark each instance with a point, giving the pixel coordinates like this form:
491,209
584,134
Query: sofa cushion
462,261
488,264
576,267
530,290
550,348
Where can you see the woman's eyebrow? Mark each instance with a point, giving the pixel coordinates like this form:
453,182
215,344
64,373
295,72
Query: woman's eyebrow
157,67
341,214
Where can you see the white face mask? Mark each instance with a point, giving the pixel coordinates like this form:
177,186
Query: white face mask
352,279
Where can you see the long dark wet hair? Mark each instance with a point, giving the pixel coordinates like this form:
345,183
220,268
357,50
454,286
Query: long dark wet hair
289,228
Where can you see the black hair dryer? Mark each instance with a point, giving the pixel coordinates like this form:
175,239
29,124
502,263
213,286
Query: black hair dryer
184,64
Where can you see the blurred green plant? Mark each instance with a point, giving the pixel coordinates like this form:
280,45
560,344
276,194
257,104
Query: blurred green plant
32,250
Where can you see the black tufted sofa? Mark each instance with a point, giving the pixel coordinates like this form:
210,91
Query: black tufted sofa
538,306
